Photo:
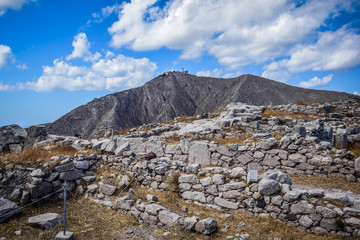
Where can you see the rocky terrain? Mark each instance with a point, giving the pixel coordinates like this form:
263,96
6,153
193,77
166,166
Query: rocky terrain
175,94
241,158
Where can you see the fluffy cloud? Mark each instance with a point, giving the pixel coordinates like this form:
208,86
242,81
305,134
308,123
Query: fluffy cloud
214,73
332,51
12,4
6,87
81,49
316,82
5,55
106,11
357,93
263,31
114,73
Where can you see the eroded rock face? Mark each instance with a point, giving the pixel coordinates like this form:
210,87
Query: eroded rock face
179,94
12,136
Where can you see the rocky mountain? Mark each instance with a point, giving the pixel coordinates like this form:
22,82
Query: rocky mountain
174,94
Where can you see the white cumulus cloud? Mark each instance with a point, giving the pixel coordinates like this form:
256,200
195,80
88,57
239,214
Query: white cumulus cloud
115,73
81,49
6,87
235,32
356,93
5,55
12,4
332,51
316,82
210,73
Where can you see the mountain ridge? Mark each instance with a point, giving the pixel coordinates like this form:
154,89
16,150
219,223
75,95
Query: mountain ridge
174,94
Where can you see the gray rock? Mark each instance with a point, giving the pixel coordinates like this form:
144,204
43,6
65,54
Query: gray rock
71,175
268,144
329,224
244,159
278,176
45,221
252,177
338,197
107,189
225,204
66,167
122,148
238,172
354,222
292,196
154,209
268,187
190,222
194,196
206,226
305,221
155,146
8,209
326,212
199,153
357,166
298,158
37,173
189,178
83,165
206,181
12,134
185,145
218,179
285,142
341,141
270,161
168,218
302,207
89,179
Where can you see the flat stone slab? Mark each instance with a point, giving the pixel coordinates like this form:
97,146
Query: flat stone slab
8,209
45,221
66,236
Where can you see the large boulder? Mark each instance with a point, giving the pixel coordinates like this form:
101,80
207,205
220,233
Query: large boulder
268,186
206,226
8,209
45,221
11,135
199,153
35,133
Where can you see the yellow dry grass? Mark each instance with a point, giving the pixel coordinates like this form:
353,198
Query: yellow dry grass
327,183
258,228
174,139
86,219
34,156
277,113
186,119
354,147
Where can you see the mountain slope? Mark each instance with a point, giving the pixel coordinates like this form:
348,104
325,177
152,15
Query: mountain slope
175,94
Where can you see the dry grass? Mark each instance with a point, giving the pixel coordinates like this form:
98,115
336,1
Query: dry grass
86,219
174,139
303,103
327,183
92,221
107,172
258,228
277,113
186,119
355,148
122,131
34,156
277,135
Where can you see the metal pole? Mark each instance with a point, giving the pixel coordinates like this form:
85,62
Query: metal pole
65,208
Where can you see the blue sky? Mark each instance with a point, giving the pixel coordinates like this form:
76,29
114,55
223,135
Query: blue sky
56,55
